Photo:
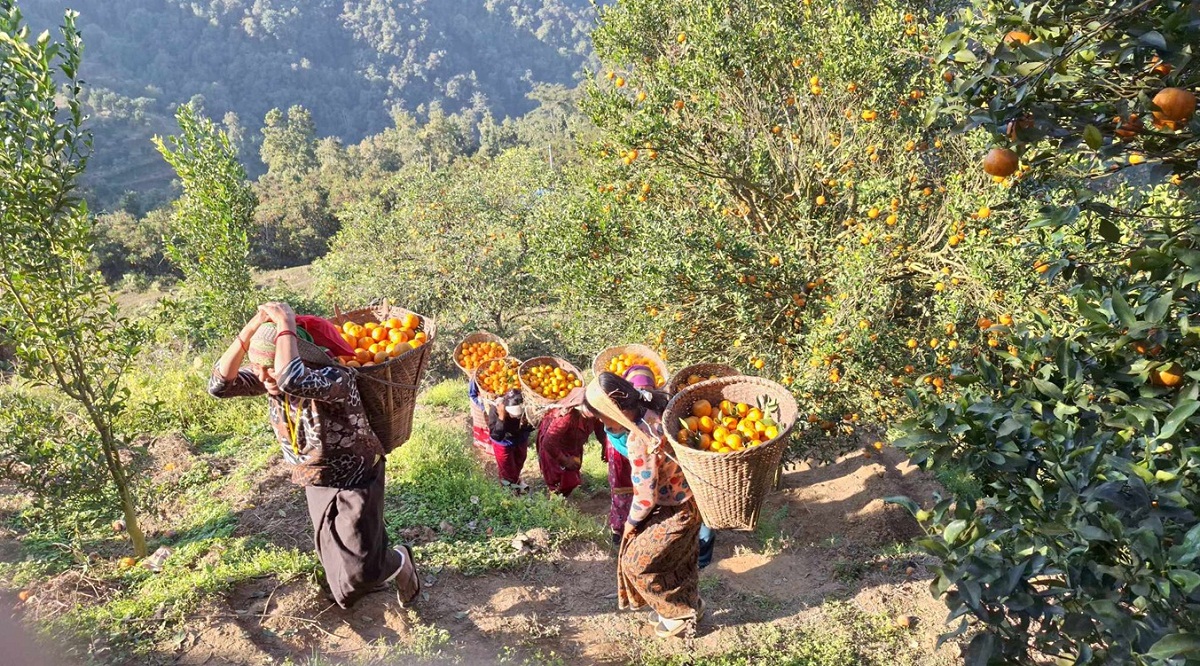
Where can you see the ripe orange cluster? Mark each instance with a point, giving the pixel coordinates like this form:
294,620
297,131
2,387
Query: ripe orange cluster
499,375
622,362
551,382
696,379
731,427
376,342
473,354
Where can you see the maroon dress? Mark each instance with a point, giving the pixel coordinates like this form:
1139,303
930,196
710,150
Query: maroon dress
560,439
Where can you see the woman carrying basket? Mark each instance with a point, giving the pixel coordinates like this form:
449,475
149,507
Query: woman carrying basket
509,432
564,430
657,563
318,417
620,486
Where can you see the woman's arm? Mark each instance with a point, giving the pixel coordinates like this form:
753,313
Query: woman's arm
644,475
226,380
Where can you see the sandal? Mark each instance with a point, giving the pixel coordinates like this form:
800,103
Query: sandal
676,627
414,584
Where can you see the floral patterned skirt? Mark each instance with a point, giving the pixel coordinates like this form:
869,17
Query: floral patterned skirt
658,565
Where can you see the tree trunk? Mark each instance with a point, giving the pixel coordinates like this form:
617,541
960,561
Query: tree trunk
113,458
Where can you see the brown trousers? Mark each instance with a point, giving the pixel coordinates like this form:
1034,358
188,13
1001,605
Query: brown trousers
350,537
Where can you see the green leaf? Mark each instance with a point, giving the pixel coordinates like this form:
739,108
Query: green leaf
954,530
1122,310
1092,137
1177,417
1176,645
1186,579
1108,230
908,504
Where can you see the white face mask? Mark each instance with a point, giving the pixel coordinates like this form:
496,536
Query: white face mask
513,410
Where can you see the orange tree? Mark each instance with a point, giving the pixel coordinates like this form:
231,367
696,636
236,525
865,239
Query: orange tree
1079,541
449,243
55,309
771,191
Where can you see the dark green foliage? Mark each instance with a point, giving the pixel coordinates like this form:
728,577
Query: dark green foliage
349,63
1078,538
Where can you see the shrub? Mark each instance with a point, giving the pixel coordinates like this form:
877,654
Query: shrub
768,192
1078,540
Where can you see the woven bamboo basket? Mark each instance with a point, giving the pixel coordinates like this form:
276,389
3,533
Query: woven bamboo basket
484,394
730,487
601,363
532,397
389,390
477,336
704,370
536,405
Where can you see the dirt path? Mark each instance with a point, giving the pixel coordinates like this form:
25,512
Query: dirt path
824,535
828,525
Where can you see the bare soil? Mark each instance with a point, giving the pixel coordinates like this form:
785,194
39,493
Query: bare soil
828,525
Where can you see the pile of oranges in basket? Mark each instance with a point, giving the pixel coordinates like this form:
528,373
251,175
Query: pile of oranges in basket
499,375
376,342
730,427
551,382
473,354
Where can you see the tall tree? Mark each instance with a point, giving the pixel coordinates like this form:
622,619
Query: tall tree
210,235
56,309
289,142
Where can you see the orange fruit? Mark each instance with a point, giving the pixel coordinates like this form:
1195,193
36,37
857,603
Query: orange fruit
393,323
734,441
411,321
719,433
365,342
706,424
1169,375
379,333
702,408
1000,162
1175,107
1014,37
381,356
362,355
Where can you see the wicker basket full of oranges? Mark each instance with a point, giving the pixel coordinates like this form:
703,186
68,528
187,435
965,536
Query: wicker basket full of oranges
728,435
623,357
478,348
547,379
391,351
497,377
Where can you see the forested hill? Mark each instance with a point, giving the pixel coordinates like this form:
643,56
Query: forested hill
348,61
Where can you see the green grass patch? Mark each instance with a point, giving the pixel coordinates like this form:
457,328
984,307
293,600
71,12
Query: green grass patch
594,470
434,479
194,571
842,636
450,394
958,481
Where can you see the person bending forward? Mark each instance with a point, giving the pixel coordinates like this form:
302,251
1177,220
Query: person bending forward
318,416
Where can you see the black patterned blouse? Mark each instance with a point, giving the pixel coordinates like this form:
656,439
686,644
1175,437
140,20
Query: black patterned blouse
334,444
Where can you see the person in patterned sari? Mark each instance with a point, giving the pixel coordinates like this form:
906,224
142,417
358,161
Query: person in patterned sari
317,413
657,562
